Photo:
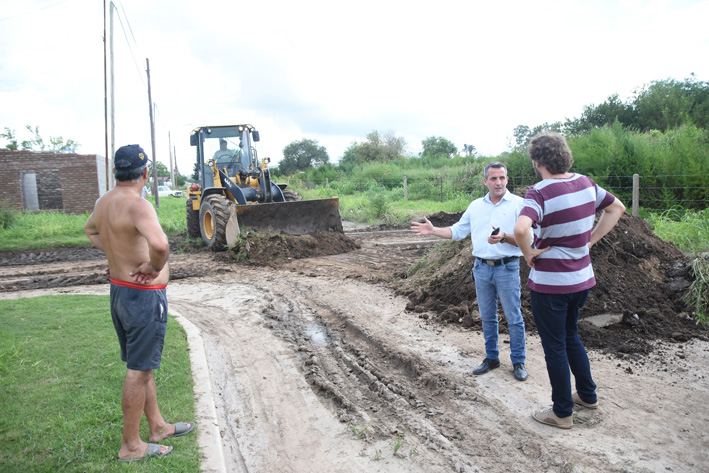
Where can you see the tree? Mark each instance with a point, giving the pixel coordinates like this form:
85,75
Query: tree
604,114
661,105
179,180
437,146
195,172
163,171
37,143
469,150
377,148
9,135
301,156
523,134
669,103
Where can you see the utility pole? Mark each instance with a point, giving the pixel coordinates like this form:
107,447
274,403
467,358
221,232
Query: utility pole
152,138
113,87
172,172
105,91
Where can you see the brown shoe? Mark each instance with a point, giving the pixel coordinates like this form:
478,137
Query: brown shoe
581,402
547,416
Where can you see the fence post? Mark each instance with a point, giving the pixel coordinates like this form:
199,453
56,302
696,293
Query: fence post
636,194
327,182
441,188
406,189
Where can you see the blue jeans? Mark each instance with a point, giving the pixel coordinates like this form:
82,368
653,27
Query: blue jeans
555,316
500,282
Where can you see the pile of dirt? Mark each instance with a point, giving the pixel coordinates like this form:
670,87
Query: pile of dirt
639,277
276,249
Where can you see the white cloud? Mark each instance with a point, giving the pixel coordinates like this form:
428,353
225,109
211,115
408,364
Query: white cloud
333,72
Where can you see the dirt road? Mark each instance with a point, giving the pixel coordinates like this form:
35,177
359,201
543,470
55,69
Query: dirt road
316,365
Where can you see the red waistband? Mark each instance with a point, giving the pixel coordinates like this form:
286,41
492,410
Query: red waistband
135,285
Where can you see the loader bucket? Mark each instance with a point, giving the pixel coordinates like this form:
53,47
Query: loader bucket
295,218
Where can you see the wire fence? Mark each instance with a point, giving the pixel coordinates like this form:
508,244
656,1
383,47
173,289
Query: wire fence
652,193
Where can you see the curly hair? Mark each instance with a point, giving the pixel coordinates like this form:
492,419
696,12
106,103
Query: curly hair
551,151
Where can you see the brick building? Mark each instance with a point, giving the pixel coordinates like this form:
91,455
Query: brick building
51,181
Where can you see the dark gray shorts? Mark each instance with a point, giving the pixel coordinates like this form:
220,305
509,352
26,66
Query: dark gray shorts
139,315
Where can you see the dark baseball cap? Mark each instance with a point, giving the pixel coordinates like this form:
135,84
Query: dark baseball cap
130,157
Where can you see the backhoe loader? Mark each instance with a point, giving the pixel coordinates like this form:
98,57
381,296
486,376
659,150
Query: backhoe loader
235,192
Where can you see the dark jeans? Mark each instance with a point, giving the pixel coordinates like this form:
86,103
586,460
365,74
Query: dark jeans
555,316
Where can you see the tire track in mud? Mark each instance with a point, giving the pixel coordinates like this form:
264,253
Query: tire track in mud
269,414
50,275
346,355
316,367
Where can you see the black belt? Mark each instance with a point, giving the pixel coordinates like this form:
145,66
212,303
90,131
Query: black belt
498,262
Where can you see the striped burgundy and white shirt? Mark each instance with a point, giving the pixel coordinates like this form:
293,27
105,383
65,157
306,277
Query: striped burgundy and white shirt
562,213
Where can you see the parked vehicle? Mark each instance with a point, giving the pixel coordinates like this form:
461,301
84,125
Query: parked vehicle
164,191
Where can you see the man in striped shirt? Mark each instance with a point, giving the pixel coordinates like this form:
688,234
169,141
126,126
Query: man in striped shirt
561,209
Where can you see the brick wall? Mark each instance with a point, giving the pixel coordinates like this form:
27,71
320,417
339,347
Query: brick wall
68,182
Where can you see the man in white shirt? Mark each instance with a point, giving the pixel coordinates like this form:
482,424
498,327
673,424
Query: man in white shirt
490,221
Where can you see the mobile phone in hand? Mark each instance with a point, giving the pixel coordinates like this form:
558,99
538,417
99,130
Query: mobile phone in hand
495,231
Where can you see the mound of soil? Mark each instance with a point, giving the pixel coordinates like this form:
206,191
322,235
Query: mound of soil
639,277
275,249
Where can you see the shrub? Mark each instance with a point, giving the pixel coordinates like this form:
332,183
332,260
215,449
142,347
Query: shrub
8,216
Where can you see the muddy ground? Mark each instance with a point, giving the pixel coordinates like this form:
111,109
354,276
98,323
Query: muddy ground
338,353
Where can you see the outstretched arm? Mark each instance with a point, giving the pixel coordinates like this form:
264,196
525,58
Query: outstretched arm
427,228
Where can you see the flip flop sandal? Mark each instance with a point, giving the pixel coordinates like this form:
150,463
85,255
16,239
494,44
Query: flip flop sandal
152,451
182,429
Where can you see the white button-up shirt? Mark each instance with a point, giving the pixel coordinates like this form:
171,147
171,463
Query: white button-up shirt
479,219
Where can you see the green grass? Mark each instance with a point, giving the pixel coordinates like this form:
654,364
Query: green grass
61,379
382,207
48,229
697,297
687,229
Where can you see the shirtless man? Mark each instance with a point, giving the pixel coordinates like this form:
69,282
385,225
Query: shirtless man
126,227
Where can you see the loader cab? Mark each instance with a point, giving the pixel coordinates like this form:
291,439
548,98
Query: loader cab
231,147
230,152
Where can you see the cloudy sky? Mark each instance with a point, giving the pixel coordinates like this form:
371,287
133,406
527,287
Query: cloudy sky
332,71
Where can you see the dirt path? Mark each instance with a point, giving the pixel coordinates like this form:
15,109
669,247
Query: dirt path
317,367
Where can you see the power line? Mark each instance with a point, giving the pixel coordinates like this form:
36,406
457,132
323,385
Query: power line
140,74
129,27
33,11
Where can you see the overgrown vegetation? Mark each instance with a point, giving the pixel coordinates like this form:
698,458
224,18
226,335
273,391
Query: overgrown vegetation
688,230
8,216
697,296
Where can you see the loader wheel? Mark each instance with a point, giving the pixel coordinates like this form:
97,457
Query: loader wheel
192,221
291,196
213,218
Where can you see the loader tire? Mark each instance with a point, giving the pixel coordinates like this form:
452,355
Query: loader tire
192,221
291,196
213,218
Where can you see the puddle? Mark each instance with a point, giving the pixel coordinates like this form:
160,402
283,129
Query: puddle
317,334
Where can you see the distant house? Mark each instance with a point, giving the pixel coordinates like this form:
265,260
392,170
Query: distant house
32,180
